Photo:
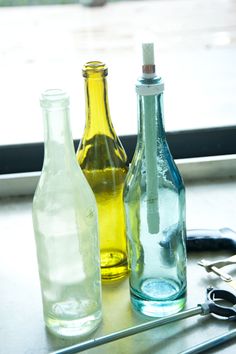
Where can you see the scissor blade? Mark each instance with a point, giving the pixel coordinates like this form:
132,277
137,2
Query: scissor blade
210,267
219,264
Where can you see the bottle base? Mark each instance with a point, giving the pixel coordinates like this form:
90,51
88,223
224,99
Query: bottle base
74,328
114,265
111,274
159,298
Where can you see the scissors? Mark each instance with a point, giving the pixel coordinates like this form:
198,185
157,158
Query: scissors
212,305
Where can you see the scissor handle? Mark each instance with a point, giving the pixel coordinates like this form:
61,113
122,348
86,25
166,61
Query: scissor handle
213,295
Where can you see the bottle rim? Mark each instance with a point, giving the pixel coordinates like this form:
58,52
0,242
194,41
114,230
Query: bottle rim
94,67
54,98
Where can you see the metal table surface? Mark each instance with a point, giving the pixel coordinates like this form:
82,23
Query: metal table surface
22,331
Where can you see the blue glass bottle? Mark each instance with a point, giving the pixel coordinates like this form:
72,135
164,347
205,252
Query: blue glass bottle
154,198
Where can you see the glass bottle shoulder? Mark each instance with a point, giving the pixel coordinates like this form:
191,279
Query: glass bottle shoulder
109,150
67,188
168,175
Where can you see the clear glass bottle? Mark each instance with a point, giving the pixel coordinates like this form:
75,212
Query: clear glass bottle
154,198
66,229
103,161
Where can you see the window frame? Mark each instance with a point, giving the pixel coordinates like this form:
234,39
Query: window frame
195,143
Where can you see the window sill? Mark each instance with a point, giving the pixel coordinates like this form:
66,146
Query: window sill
192,169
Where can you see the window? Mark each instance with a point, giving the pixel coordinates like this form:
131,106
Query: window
46,46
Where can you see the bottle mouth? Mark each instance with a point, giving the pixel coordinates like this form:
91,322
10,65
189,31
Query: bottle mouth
94,69
54,98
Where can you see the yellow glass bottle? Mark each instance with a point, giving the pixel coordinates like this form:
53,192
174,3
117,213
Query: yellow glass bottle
103,161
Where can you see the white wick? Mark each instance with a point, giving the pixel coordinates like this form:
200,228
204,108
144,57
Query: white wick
148,54
148,59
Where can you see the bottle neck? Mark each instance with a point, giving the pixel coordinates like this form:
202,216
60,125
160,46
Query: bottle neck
150,117
58,147
98,119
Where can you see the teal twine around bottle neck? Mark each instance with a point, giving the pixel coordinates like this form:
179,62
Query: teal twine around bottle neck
151,105
150,140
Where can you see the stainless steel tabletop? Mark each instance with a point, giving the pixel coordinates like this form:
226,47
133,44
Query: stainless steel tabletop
22,331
